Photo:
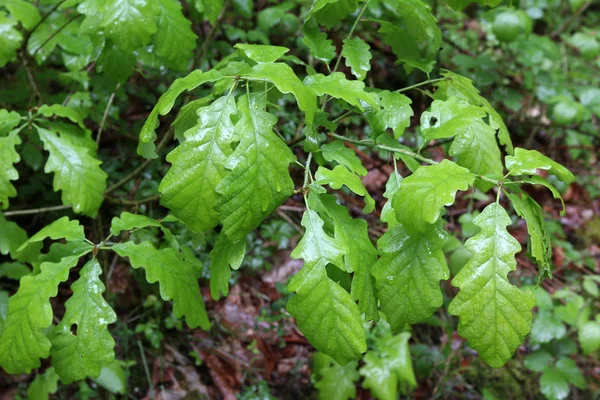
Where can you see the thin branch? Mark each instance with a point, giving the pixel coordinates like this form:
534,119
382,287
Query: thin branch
40,22
105,115
564,27
142,166
36,210
59,30
116,200
30,79
416,85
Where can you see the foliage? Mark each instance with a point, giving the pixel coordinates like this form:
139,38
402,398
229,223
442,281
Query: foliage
238,116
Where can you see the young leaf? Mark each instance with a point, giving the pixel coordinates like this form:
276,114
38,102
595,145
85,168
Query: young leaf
22,342
128,23
333,381
389,368
340,176
128,221
62,228
330,12
262,53
494,316
388,215
420,199
320,47
24,12
325,312
408,273
286,81
458,86
539,246
526,162
10,40
62,111
259,180
336,85
165,104
81,353
76,173
359,255
8,120
12,236
538,180
8,157
198,166
222,256
175,41
416,38
358,57
448,118
395,113
337,151
175,275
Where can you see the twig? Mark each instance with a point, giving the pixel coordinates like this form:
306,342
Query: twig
564,27
290,221
36,210
40,22
105,115
416,85
59,30
116,200
142,166
30,78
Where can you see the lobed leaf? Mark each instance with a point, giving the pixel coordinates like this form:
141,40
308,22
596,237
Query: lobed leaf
222,256
395,113
259,180
128,221
175,275
76,173
10,40
341,176
81,343
419,201
262,53
494,315
198,166
22,342
62,228
343,155
408,273
8,157
358,57
317,42
333,381
336,85
175,41
527,162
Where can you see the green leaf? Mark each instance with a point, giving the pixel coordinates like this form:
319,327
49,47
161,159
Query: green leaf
338,152
175,275
359,253
539,245
458,86
527,162
358,57
538,180
61,111
341,176
166,102
10,40
461,4
262,53
175,41
12,237
24,12
286,81
259,180
325,312
8,120
447,118
395,113
209,8
420,199
408,273
416,38
330,12
14,270
317,42
8,157
494,315
389,368
128,222
43,385
546,328
187,117
555,381
76,173
22,342
475,148
130,24
388,215
81,342
112,377
62,228
333,381
587,44
198,166
336,85
222,256
589,337
538,361
3,307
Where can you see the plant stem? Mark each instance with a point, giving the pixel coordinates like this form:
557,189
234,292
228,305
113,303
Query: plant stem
36,210
416,85
63,26
116,200
146,369
40,22
105,115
